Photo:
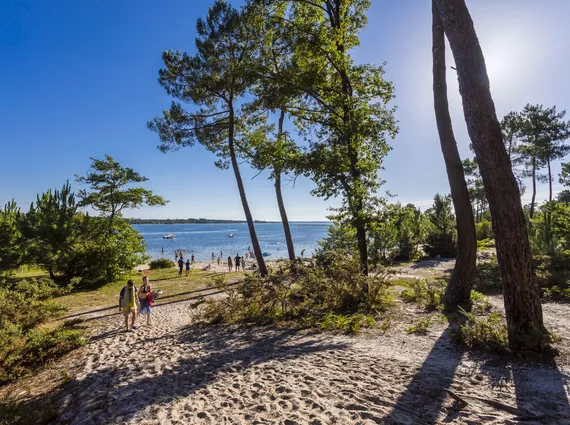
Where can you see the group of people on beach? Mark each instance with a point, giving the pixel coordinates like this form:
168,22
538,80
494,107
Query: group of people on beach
135,301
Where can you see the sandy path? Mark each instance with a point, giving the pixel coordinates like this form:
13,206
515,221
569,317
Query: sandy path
176,372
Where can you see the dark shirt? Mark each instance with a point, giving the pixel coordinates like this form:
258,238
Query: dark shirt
238,260
181,263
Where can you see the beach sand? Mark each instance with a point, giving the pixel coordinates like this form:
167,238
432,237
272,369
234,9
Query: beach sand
179,372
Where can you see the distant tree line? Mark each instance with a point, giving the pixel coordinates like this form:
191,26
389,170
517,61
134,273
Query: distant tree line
188,221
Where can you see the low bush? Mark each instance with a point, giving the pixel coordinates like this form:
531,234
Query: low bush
487,276
485,243
427,293
335,297
480,304
488,333
484,230
24,343
421,327
161,263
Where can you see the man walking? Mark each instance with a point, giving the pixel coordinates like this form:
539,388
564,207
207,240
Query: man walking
128,304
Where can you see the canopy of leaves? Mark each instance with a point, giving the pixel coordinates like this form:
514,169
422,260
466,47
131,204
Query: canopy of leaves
108,192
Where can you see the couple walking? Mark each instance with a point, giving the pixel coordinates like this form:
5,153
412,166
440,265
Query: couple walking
133,301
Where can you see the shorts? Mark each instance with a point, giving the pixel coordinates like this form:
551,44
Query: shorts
127,311
145,307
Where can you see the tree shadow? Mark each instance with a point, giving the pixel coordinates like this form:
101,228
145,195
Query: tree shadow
116,395
430,383
429,264
541,389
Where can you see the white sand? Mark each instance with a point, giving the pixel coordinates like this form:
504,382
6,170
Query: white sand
176,372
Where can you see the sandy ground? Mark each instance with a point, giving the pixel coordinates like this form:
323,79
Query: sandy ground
178,372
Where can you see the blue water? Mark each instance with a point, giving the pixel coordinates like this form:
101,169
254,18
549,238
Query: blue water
204,239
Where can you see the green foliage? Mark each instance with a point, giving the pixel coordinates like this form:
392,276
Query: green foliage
11,238
397,232
487,276
485,243
161,263
484,230
549,232
335,297
108,192
427,293
421,327
488,333
480,304
441,239
24,343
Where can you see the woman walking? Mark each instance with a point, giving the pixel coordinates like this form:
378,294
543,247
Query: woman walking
145,299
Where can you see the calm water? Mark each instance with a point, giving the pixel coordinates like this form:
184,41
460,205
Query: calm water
207,238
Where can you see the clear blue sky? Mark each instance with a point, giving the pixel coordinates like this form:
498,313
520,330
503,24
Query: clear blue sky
79,79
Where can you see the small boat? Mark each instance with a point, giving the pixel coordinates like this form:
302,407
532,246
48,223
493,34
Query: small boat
266,254
169,236
231,235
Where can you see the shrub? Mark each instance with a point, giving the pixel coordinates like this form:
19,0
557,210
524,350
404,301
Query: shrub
484,230
24,344
421,327
337,297
425,292
487,275
161,263
480,304
485,243
488,333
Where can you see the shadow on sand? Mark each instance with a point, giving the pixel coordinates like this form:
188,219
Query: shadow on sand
215,351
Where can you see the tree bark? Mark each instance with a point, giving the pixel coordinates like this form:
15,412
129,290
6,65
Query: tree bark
549,180
246,210
280,203
533,187
458,291
520,288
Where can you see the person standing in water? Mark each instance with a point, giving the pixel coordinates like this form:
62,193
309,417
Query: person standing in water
192,257
303,253
145,299
230,264
128,304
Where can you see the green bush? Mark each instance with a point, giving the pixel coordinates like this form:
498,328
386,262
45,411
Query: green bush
487,276
484,230
421,327
488,333
24,343
485,243
335,297
480,304
427,293
161,263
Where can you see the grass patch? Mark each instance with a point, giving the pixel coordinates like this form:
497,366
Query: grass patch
421,327
425,292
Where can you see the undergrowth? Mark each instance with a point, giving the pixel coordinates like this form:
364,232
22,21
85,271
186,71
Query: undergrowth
421,327
333,297
25,344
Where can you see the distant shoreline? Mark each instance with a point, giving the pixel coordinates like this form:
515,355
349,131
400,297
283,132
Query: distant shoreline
169,221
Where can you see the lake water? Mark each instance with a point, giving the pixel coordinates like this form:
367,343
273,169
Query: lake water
207,238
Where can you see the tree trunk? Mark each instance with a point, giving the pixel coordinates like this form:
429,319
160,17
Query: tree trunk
246,210
533,187
458,291
549,180
520,288
280,203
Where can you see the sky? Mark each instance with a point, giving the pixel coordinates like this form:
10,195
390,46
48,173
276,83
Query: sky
79,80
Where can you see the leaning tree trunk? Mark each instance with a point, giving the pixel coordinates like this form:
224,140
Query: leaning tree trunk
458,290
280,203
549,180
520,288
246,210
533,187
